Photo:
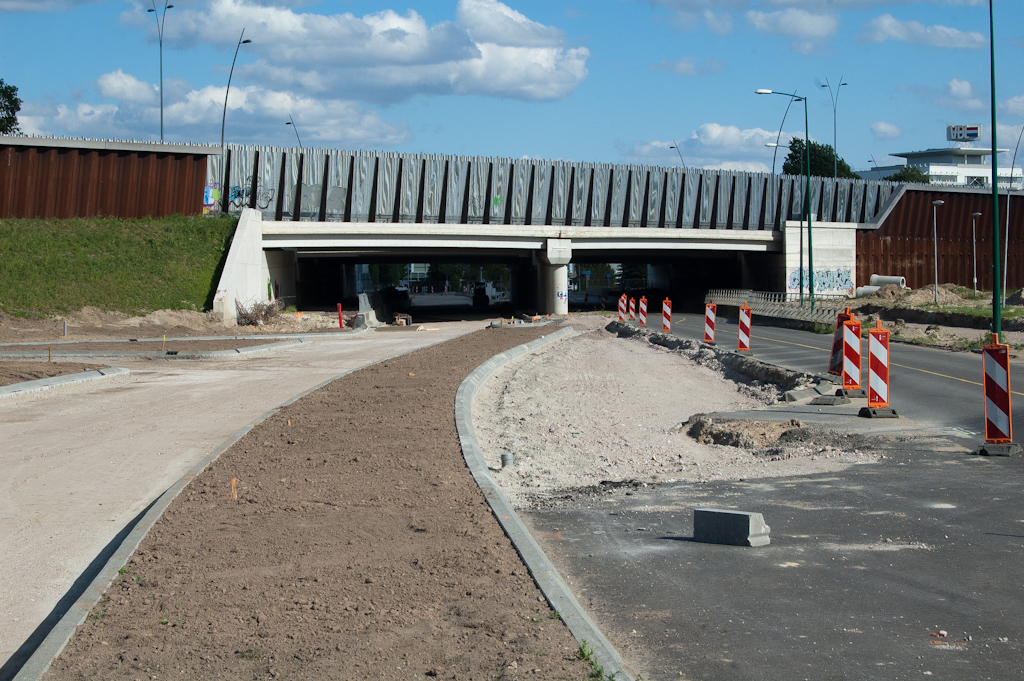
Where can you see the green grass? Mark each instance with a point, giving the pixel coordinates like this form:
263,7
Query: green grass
52,266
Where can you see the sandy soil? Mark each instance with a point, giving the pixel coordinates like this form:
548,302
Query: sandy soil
358,546
228,343
595,411
17,371
92,323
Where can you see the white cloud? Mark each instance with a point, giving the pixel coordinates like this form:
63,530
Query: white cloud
120,85
489,21
883,130
718,23
712,145
960,95
41,5
689,66
747,166
1014,106
887,27
808,30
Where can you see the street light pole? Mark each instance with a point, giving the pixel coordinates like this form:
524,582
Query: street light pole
295,128
835,103
807,185
1009,194
676,147
161,18
997,280
974,249
801,270
935,241
224,116
778,138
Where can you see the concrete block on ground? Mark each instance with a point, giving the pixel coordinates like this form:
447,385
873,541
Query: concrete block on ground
830,400
853,393
736,528
878,413
1004,449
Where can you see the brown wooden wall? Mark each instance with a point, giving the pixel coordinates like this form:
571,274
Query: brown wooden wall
61,182
903,245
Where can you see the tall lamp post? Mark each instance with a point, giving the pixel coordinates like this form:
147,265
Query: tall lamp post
295,128
834,96
778,138
935,242
224,117
676,147
1009,193
974,249
776,146
161,18
997,280
807,185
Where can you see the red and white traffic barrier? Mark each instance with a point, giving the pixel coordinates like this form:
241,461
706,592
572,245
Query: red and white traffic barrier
622,308
998,423
643,310
710,311
851,355
835,362
744,335
632,309
666,315
878,367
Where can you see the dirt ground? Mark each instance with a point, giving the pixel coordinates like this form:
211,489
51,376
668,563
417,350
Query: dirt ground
91,323
594,412
18,371
228,343
358,546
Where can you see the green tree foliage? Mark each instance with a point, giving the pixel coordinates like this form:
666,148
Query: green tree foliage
10,105
908,174
598,275
450,272
632,272
822,159
382,276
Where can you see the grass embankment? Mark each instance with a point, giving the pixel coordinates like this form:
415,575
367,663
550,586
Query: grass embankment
51,266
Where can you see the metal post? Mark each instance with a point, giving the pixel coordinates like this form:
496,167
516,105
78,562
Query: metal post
835,105
161,18
935,241
807,202
974,249
295,128
997,280
1009,195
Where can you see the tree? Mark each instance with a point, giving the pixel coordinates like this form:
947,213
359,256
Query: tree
10,105
823,156
450,272
908,174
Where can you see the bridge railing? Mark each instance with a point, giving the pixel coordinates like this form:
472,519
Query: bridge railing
782,305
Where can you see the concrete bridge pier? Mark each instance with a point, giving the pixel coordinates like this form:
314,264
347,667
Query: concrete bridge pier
554,277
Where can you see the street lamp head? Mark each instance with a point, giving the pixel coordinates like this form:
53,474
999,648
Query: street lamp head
975,215
246,41
937,203
763,91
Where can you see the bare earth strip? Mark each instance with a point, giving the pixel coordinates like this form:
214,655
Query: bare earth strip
78,467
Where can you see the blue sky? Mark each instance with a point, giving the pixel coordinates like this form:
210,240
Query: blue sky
589,80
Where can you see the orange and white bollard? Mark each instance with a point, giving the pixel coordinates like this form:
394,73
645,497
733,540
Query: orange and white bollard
632,309
835,362
666,315
622,308
710,311
998,417
744,336
643,311
878,374
851,357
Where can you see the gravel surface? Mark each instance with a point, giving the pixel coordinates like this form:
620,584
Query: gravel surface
18,371
596,411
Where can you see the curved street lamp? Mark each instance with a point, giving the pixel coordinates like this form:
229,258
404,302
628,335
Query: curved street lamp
224,116
295,128
161,18
676,147
835,103
778,138
807,185
1009,193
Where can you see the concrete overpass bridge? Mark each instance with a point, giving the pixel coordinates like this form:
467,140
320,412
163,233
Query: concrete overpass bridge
695,227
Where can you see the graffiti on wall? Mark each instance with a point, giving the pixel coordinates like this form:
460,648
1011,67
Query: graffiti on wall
834,280
211,199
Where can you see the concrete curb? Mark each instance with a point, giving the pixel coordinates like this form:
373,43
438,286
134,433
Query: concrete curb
543,571
65,383
43,656
237,353
304,336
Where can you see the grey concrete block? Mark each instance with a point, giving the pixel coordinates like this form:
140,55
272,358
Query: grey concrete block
830,400
878,413
856,394
1006,449
737,528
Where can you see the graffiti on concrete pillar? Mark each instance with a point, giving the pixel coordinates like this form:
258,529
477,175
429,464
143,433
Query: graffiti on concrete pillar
827,280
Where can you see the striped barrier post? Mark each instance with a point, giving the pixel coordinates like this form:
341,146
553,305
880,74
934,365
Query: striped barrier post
744,335
341,322
998,417
878,375
835,362
622,308
851,355
643,310
710,310
632,309
666,315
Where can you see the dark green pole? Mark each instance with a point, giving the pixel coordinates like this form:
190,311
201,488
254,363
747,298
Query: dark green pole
807,204
997,311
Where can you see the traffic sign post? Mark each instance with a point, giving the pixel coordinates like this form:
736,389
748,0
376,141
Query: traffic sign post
622,308
643,311
835,363
710,311
998,417
666,316
632,309
744,336
878,374
851,360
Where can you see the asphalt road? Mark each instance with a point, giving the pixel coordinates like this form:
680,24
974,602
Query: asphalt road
937,389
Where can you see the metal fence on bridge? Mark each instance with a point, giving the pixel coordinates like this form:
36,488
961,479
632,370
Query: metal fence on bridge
782,305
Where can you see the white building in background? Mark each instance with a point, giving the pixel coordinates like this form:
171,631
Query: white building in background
965,166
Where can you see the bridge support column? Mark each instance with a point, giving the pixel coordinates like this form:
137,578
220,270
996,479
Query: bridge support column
554,272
